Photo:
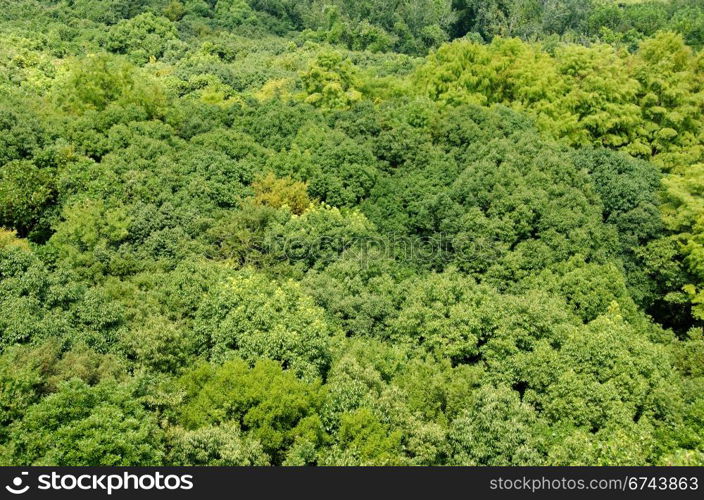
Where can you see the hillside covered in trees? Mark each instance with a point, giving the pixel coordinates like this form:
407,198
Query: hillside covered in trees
326,232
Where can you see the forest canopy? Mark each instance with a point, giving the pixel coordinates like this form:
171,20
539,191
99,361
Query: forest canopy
321,232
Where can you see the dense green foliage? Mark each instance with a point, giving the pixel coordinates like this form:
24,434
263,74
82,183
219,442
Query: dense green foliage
351,233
